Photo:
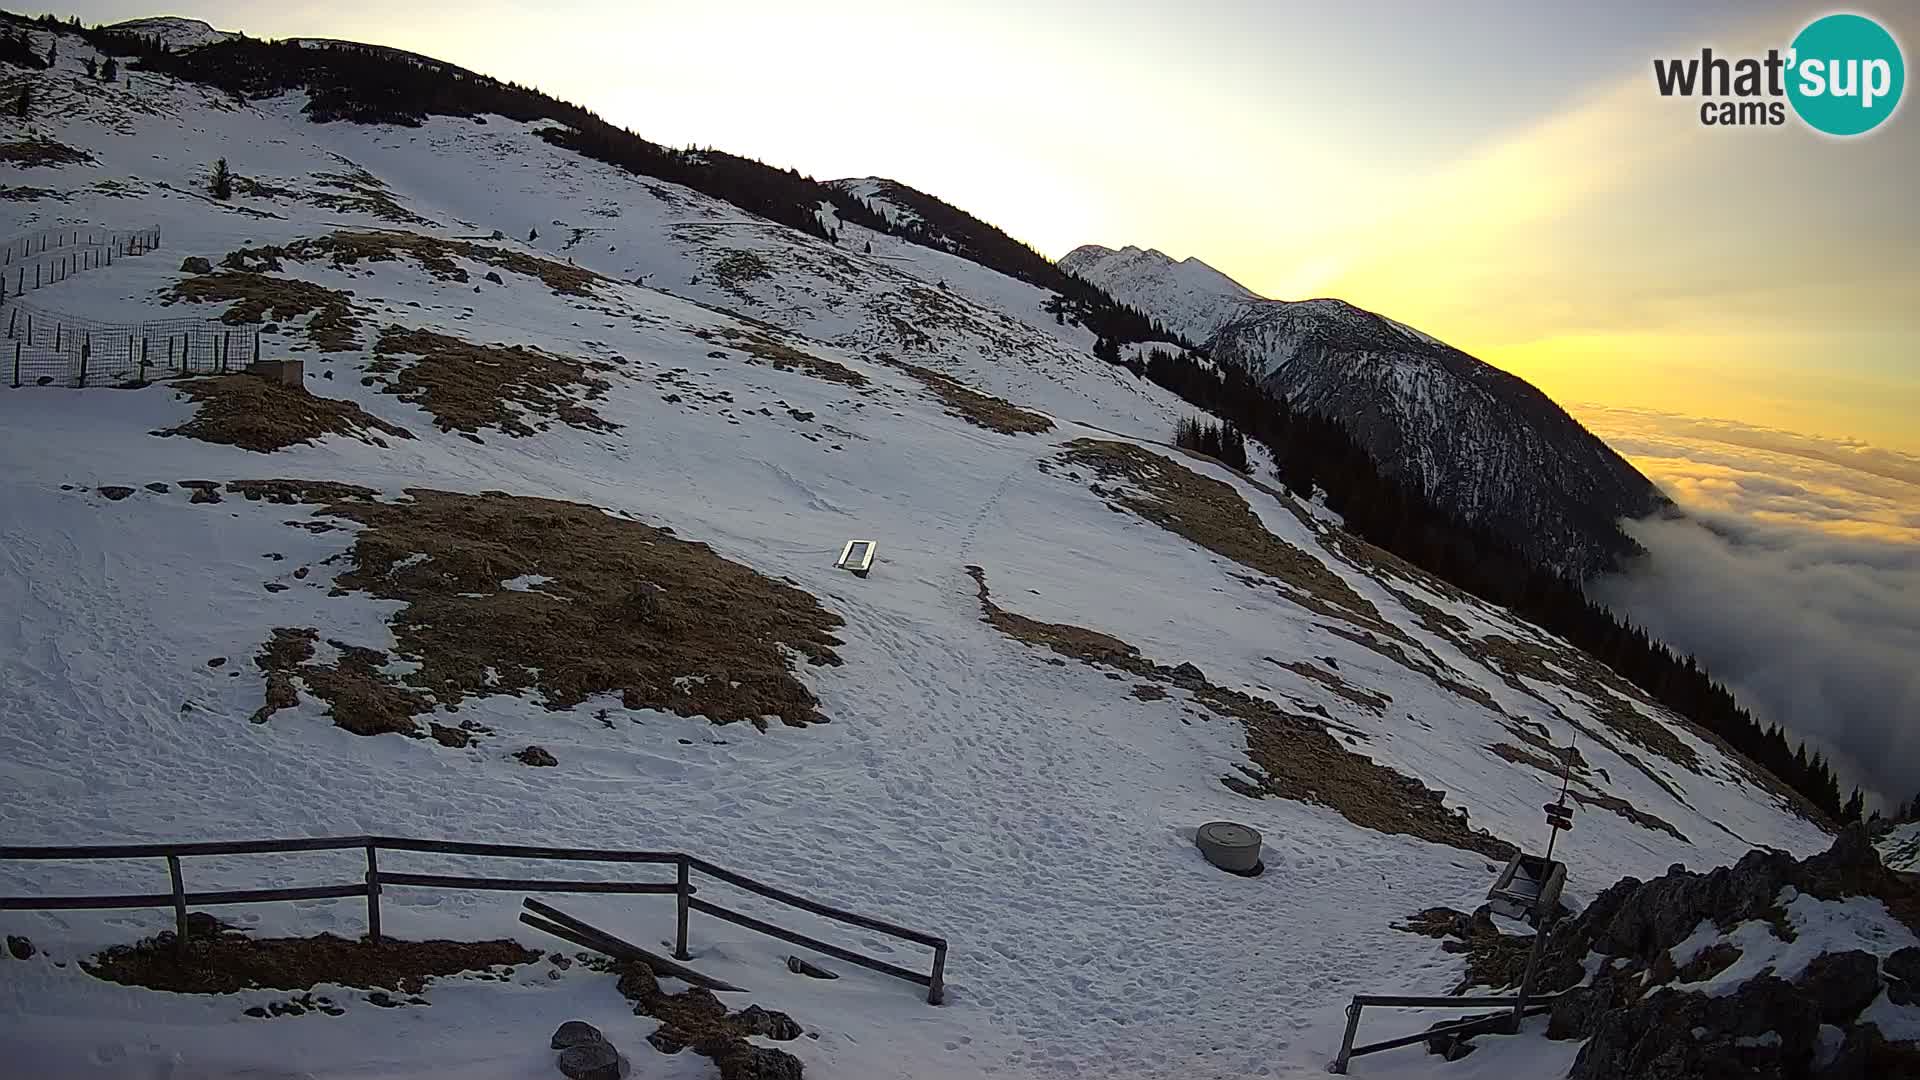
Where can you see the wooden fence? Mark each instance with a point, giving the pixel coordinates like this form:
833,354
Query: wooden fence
682,888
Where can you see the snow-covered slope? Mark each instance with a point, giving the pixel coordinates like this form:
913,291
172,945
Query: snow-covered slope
997,769
1477,441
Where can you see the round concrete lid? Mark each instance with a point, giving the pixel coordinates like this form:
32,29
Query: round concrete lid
1227,834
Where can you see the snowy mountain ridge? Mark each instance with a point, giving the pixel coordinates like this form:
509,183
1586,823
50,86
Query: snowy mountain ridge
582,492
1476,440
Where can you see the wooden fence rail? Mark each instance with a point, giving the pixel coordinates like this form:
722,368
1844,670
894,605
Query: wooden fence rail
682,888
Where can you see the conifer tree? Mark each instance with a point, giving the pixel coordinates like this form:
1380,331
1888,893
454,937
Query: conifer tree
23,107
93,69
110,71
222,183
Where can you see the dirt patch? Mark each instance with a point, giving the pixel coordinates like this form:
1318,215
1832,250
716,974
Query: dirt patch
221,960
764,347
258,414
599,606
1295,756
1213,515
514,389
696,1019
41,153
978,409
257,297
1149,692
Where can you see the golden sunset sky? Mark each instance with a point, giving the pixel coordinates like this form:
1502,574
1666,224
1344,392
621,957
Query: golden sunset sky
1502,175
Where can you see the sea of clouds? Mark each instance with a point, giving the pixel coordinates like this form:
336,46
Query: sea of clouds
1794,576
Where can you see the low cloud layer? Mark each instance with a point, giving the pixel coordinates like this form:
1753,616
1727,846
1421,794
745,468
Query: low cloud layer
1795,578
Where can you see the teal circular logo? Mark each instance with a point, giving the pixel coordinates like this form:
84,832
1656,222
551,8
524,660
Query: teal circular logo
1846,74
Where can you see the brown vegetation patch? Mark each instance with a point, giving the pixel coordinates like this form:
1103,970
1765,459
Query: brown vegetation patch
361,192
696,1019
259,414
625,608
221,960
258,297
1360,696
1494,960
32,152
1212,514
1611,696
1149,692
763,346
31,194
1591,795
1396,652
360,697
351,247
735,270
978,409
1297,757
467,387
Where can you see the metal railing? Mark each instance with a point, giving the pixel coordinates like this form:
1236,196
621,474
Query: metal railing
1506,1022
376,880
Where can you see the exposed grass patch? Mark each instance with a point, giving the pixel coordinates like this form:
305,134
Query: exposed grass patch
978,409
625,609
1494,960
514,389
1366,699
221,960
1296,756
257,297
1585,793
258,414
696,1019
735,270
763,346
1611,696
359,191
351,247
31,194
1213,515
361,698
36,152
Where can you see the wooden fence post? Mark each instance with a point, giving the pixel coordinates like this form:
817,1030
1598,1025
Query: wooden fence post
143,359
373,895
179,908
256,346
16,365
86,350
684,895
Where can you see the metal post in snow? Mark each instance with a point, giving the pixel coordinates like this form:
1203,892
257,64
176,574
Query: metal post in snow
179,908
373,895
685,893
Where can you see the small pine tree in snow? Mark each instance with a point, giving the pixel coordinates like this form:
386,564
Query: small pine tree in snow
93,69
110,71
222,184
869,247
24,106
532,235
53,52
